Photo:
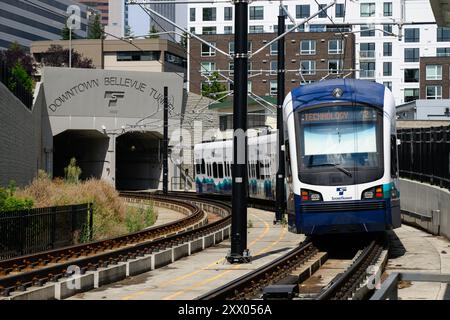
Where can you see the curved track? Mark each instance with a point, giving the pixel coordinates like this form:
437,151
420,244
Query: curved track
34,270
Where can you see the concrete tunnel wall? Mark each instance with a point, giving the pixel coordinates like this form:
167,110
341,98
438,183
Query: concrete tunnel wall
138,161
88,147
429,201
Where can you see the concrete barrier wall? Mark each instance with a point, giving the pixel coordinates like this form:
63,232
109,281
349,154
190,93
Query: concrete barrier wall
430,202
25,137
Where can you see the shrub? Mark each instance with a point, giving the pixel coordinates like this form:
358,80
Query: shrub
72,172
10,202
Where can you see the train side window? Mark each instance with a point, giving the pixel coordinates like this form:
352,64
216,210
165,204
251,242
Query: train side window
214,166
197,168
203,166
258,170
220,169
394,160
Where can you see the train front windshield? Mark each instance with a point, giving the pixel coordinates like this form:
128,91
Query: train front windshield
339,145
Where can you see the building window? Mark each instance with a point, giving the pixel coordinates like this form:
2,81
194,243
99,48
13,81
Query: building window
387,28
411,94
228,14
340,10
231,68
192,14
335,47
368,31
443,52
209,14
207,67
388,84
412,55
367,9
138,55
434,92
387,9
334,66
209,30
412,35
274,48
317,28
411,75
208,51
231,47
443,34
367,50
256,29
323,13
387,69
228,30
367,70
273,67
192,29
387,49
302,11
308,47
256,13
273,87
308,67
433,72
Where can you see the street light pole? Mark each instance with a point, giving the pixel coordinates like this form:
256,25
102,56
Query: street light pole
165,141
280,198
239,252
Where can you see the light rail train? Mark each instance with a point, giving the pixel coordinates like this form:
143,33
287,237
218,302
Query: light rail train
341,159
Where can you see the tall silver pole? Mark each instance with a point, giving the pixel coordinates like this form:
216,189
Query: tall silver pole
70,47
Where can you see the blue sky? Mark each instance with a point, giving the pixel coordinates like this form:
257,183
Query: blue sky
138,20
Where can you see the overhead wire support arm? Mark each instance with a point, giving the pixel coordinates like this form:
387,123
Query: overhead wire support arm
292,29
182,29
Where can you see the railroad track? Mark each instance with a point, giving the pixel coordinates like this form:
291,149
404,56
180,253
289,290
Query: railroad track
19,273
280,279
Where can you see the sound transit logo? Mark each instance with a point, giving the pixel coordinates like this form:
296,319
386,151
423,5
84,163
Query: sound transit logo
113,96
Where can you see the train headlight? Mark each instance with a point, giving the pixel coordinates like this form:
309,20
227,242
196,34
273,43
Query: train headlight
373,193
309,195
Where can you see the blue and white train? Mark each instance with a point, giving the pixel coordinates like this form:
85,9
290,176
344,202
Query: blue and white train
341,159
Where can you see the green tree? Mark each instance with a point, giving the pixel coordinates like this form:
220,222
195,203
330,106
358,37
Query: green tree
213,88
183,40
96,30
72,172
151,33
65,33
20,74
128,32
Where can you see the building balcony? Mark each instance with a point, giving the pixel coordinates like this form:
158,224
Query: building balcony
367,74
367,54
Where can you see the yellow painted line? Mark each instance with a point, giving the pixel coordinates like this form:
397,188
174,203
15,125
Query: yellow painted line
220,275
165,284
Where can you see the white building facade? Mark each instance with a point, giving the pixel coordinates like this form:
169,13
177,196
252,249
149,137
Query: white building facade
390,36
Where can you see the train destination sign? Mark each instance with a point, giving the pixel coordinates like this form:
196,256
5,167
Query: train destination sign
327,115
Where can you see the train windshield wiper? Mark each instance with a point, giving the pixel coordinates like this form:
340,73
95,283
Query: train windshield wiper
336,165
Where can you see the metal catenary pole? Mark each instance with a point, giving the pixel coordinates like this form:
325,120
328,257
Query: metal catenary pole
239,252
165,141
280,201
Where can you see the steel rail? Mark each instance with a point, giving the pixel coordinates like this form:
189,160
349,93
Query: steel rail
36,269
343,287
251,284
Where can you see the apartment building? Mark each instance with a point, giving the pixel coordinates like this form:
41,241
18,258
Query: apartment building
435,77
309,57
390,36
26,21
